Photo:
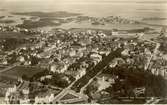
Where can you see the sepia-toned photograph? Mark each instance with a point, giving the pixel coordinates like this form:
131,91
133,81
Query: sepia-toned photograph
83,52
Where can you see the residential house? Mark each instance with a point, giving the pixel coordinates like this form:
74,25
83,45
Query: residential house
76,73
96,58
44,99
46,77
125,52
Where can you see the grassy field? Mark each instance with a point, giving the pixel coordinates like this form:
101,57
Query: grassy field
19,71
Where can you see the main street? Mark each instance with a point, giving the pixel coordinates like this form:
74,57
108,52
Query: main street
90,75
84,87
154,52
152,55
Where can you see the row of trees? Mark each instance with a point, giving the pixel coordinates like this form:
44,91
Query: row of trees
134,78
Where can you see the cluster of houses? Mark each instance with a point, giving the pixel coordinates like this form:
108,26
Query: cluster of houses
6,28
158,65
61,52
18,94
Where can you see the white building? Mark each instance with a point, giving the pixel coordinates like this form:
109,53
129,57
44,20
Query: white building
125,52
47,99
96,57
76,74
58,67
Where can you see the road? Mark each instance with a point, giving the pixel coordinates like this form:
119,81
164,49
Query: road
63,92
84,87
99,66
153,101
93,72
10,67
153,54
80,97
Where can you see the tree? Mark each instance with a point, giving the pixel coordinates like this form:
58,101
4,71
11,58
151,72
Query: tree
25,77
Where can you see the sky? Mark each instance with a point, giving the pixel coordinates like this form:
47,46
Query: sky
62,2
133,8
88,1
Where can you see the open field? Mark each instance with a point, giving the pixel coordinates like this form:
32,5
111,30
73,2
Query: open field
6,82
19,71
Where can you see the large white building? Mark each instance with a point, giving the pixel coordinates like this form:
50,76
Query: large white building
58,67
